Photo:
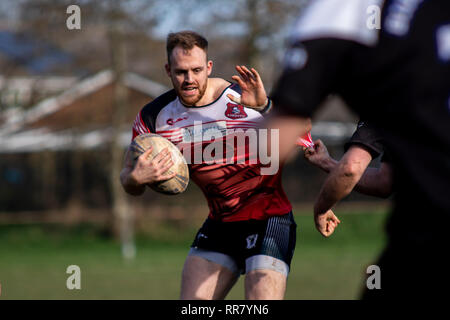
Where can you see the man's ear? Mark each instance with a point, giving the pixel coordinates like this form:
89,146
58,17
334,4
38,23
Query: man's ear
167,69
209,67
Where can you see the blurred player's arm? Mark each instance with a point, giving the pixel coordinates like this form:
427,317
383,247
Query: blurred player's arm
342,179
374,181
323,50
134,177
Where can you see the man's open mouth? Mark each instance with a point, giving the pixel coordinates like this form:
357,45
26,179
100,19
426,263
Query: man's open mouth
189,90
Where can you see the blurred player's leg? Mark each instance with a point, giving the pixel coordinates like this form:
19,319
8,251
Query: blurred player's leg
203,279
265,285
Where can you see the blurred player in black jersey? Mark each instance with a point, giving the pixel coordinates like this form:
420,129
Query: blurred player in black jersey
398,78
351,172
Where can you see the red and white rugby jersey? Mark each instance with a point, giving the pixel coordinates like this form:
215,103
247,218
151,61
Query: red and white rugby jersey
235,191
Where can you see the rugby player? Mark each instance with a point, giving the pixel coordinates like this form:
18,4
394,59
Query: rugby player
398,78
250,228
351,172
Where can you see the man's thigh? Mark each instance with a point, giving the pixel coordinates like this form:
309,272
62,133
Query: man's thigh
265,284
267,269
206,280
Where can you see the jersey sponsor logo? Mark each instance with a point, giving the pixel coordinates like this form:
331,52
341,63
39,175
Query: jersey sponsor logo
251,241
200,131
171,121
443,42
235,111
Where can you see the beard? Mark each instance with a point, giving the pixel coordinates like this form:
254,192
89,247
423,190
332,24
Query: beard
191,100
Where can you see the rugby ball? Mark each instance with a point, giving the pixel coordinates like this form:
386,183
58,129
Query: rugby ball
174,185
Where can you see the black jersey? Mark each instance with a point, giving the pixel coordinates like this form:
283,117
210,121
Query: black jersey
397,77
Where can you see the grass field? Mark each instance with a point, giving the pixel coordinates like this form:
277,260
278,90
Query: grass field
34,258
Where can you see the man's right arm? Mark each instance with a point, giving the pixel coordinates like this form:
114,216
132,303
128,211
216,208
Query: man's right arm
135,176
128,179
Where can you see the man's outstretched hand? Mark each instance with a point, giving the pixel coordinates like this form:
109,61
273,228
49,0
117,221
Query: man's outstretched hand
253,93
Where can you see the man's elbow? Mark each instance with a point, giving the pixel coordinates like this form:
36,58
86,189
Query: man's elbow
351,171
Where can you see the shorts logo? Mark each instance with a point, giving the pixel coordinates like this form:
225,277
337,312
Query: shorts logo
251,241
235,111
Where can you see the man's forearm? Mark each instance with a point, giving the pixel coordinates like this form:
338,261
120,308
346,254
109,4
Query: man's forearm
129,184
328,164
343,178
335,188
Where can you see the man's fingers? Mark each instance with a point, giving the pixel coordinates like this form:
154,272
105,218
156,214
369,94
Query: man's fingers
234,99
167,177
326,223
242,73
249,74
256,74
146,154
239,80
308,151
160,156
165,160
166,166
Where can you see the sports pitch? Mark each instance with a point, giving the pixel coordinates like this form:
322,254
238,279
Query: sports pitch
34,259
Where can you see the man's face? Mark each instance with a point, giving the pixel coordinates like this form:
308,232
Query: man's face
189,71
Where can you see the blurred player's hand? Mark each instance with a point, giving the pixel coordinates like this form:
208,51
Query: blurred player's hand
148,171
317,155
253,93
326,222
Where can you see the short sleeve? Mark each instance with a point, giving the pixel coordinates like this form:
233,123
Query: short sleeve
367,137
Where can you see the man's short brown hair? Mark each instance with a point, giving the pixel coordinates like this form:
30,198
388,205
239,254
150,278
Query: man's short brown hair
187,40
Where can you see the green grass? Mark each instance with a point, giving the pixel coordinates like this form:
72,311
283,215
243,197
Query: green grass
34,258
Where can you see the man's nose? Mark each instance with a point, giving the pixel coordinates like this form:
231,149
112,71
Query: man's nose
188,77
